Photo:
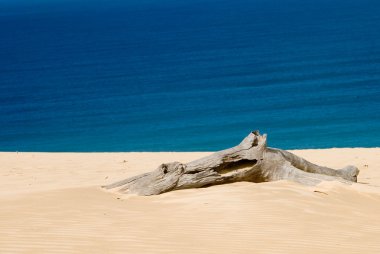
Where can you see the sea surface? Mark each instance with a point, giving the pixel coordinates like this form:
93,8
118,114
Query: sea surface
188,75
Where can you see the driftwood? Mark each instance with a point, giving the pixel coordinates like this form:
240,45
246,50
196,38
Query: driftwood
250,161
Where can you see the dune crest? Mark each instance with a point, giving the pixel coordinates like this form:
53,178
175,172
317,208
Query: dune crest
52,203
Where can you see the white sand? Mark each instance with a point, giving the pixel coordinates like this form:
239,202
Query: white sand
52,203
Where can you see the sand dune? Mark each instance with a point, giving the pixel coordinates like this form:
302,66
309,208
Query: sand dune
52,203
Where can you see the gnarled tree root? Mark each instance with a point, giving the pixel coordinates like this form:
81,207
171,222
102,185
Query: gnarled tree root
250,161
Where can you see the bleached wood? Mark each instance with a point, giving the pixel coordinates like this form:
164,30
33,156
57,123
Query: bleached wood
250,161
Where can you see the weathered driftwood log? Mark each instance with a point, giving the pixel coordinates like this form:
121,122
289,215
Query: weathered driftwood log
250,161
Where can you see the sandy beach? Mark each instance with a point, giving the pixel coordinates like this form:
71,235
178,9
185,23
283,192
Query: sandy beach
53,203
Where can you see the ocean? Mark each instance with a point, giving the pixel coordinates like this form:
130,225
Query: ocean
188,75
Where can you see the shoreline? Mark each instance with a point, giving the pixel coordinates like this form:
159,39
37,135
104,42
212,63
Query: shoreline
168,151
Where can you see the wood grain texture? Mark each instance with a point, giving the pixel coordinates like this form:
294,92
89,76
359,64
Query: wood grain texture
249,161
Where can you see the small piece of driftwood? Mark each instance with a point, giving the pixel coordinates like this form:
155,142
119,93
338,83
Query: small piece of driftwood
250,161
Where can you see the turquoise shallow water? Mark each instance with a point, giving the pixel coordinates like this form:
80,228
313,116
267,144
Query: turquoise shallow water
188,75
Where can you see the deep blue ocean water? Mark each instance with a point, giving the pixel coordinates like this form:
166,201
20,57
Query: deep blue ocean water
190,75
